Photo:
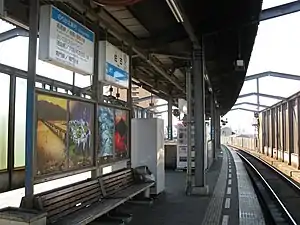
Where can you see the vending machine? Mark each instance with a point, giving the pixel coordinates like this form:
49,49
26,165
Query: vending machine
182,147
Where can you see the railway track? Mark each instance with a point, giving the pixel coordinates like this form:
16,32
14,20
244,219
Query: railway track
279,196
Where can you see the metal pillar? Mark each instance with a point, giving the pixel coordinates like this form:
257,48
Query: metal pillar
217,130
170,119
2,11
95,88
189,131
298,130
129,103
257,91
30,104
290,131
199,114
212,124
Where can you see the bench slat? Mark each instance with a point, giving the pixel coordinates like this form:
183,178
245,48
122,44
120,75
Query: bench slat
91,213
69,195
71,208
131,191
66,189
119,173
74,200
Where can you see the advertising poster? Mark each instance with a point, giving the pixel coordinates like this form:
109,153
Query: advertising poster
64,137
51,136
80,135
121,133
106,132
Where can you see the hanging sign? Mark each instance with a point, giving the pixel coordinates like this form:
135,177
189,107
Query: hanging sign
113,65
65,42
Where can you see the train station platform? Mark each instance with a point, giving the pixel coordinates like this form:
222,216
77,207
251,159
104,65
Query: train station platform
231,198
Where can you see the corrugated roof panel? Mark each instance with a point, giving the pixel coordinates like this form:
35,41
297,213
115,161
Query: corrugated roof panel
128,21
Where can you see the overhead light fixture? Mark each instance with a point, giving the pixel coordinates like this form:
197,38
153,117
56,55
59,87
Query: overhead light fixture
205,77
175,10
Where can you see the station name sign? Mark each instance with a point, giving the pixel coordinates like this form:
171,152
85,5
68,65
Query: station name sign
65,42
113,65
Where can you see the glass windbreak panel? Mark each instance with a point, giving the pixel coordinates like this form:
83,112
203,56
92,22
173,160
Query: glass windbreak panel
20,122
4,91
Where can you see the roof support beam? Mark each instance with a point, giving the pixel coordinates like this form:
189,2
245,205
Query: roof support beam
280,10
250,103
272,74
248,110
10,34
262,95
145,99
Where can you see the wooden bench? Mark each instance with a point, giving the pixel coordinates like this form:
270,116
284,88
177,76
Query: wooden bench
87,200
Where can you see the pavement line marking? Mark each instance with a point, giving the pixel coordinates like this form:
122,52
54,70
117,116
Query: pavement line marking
229,166
229,181
229,170
229,190
229,175
227,203
225,220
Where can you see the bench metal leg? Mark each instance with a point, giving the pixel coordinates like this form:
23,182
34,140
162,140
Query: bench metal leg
143,198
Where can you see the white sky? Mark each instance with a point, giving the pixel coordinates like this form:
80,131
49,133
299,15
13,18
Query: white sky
276,48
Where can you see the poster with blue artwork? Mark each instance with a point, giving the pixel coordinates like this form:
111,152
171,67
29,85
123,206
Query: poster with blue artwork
106,131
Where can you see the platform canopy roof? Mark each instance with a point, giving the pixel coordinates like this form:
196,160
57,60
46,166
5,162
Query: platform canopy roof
162,46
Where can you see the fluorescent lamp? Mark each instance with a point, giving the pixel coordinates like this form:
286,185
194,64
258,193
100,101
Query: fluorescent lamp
175,10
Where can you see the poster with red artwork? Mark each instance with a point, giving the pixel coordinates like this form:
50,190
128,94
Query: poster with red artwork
121,133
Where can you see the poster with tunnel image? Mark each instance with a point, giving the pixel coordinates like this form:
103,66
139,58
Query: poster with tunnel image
64,135
121,133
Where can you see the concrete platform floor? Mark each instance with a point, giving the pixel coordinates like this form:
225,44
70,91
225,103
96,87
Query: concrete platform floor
221,206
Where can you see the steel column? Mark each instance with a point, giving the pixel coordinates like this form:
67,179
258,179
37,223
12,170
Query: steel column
217,130
257,91
277,132
283,129
189,126
212,124
95,89
11,130
129,102
2,10
272,120
298,129
30,104
199,114
290,130
170,119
